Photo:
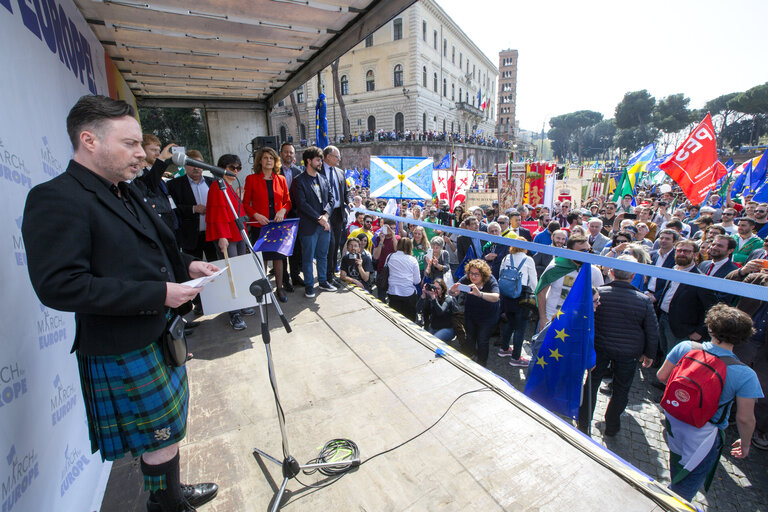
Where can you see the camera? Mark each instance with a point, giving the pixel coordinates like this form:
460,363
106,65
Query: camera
445,217
430,287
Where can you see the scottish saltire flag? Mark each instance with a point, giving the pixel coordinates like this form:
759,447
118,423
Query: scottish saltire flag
638,161
278,237
568,350
445,163
401,177
321,122
460,272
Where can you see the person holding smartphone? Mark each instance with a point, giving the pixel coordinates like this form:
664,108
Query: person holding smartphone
356,266
480,309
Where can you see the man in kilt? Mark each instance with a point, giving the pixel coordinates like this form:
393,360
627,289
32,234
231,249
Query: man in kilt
96,248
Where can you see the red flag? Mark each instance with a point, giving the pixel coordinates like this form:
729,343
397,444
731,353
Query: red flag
693,165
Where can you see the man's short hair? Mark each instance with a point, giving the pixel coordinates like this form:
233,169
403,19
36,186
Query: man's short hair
595,220
285,144
310,153
90,112
513,213
624,275
572,217
728,239
671,232
674,223
329,149
748,219
575,239
148,139
610,203
729,325
553,226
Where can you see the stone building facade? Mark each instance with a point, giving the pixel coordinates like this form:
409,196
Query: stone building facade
420,71
507,97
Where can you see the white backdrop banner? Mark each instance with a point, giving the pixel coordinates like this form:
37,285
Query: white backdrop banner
51,58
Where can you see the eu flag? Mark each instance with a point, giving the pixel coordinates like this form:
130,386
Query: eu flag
568,350
277,237
321,122
460,272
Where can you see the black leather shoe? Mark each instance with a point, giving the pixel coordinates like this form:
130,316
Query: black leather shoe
297,281
192,324
195,495
188,331
288,287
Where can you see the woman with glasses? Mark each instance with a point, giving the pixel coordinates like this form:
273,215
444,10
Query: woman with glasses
220,227
266,200
480,308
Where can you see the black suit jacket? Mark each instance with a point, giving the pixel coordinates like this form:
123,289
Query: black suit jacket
93,257
343,189
293,171
523,232
661,284
309,207
189,221
688,308
725,269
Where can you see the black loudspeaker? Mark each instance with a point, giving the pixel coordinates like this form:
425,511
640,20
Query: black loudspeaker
270,142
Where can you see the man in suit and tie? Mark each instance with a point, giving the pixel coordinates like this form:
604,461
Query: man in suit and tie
106,256
683,307
597,239
315,206
664,256
720,250
340,200
290,171
190,193
516,228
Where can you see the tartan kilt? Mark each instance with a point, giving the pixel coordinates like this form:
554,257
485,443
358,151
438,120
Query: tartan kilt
133,401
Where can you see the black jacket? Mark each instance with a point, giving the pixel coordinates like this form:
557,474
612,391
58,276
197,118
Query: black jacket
88,254
725,269
151,184
625,322
189,221
688,308
309,207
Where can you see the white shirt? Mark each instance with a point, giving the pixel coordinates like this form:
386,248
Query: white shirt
659,263
200,191
731,230
715,266
403,274
558,290
673,285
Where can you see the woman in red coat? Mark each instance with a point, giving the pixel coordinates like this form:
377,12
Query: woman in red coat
266,199
220,227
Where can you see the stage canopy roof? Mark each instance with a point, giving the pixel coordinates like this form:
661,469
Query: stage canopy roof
255,50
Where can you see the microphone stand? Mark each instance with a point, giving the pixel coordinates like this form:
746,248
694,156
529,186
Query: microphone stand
260,288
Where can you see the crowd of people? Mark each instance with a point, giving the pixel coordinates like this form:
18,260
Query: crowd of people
457,286
425,136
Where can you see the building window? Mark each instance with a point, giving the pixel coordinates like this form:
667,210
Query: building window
473,71
453,55
451,126
399,122
445,87
398,29
434,39
281,103
453,92
369,41
398,75
424,76
370,84
303,131
371,124
445,47
434,83
344,85
283,134
461,60
460,91
424,122
467,66
424,30
300,95
443,124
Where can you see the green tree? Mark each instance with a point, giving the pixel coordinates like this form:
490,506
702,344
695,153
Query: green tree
722,114
753,102
560,142
636,109
183,126
598,139
570,130
670,115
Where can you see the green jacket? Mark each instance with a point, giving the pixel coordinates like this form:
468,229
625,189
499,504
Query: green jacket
740,255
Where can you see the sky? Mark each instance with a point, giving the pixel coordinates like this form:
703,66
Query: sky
586,55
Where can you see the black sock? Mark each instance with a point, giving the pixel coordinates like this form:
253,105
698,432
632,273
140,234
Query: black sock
164,482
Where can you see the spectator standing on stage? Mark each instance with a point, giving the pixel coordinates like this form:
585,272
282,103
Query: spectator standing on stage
267,200
404,277
151,182
221,229
106,256
746,240
313,201
339,189
289,169
516,315
626,331
729,328
480,308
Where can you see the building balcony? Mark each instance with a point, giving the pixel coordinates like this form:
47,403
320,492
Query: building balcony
470,109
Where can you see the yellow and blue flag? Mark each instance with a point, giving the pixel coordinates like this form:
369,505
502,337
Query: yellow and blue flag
568,350
638,161
277,237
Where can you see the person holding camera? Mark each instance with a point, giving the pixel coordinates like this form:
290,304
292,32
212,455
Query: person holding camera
438,309
480,309
356,266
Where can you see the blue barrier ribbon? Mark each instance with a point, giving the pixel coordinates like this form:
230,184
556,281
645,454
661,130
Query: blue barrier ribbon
711,283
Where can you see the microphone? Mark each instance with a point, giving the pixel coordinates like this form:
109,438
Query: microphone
181,159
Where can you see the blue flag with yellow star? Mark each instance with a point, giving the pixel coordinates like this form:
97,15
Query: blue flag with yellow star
568,350
277,237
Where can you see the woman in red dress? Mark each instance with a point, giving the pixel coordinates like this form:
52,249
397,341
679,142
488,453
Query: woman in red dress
220,227
266,200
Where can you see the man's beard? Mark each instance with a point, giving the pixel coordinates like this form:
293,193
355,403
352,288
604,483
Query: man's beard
683,261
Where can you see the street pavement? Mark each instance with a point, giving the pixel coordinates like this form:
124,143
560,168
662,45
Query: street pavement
738,486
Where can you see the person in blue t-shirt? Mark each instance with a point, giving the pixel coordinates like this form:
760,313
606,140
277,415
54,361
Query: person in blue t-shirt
694,452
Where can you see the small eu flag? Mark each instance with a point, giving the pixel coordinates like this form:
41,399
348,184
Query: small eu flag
556,378
278,237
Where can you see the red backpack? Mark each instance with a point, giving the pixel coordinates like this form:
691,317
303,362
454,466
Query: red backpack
695,385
